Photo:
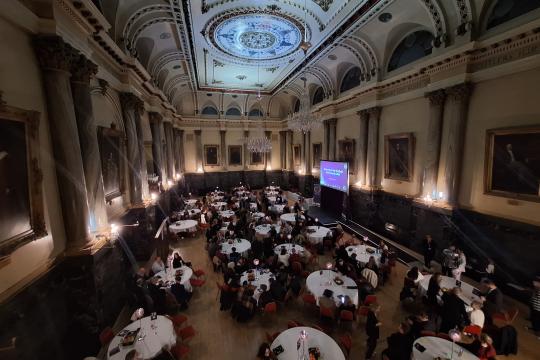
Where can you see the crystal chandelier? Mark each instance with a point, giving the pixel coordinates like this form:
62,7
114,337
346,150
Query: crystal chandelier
259,144
304,120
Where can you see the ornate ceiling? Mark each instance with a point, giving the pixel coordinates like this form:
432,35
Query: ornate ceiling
223,53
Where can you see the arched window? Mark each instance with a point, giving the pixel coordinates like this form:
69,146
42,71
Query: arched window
233,111
209,110
506,10
297,105
255,113
351,79
415,46
318,97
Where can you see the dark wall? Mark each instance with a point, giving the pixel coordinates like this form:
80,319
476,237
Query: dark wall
513,245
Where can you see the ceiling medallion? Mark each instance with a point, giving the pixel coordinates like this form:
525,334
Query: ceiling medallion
241,77
257,35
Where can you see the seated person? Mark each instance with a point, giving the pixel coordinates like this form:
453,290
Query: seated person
453,310
493,299
342,266
434,289
277,290
477,316
234,256
177,260
180,293
158,265
283,257
400,343
418,323
265,296
483,348
347,304
327,300
295,257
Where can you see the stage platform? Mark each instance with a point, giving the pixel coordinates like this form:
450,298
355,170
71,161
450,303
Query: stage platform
325,218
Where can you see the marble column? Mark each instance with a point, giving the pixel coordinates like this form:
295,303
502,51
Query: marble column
169,142
283,149
268,155
290,151
326,141
156,124
304,152
223,135
198,151
458,104
362,147
433,150
372,147
131,106
332,133
55,57
308,153
180,153
246,153
82,71
145,190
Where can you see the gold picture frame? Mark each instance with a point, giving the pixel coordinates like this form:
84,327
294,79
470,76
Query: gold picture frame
211,155
399,156
235,155
112,154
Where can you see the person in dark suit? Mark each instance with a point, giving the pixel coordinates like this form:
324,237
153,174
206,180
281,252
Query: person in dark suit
400,343
493,299
453,313
429,250
180,293
265,297
372,330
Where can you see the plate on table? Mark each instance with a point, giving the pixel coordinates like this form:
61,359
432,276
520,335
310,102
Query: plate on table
338,281
130,338
370,251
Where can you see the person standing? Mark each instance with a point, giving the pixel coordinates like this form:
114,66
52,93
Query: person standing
372,330
429,250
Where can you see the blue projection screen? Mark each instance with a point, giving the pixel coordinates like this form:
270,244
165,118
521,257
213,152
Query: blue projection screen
335,175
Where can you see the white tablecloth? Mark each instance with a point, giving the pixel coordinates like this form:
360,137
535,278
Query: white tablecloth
190,203
447,282
183,226
272,199
329,349
258,215
272,188
319,234
299,249
192,212
242,247
157,334
263,230
291,217
317,283
169,275
219,204
437,347
271,192
253,205
362,255
226,214
277,208
216,197
260,279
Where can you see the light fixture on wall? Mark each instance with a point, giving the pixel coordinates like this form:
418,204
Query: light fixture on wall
200,169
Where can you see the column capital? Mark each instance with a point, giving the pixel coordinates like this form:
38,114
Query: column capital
54,53
155,117
374,111
82,69
460,92
223,131
131,101
437,97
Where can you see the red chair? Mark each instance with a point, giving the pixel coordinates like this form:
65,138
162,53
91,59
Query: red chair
444,336
346,342
180,351
296,267
363,310
473,330
105,336
178,320
370,299
197,282
270,308
199,273
346,315
186,333
309,299
427,333
327,313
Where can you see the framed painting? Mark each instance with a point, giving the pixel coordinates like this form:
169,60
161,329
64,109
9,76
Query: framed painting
512,163
257,158
346,152
317,155
399,156
297,155
235,155
21,196
211,155
111,150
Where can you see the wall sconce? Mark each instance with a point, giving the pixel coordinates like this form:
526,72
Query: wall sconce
115,229
269,167
200,169
154,196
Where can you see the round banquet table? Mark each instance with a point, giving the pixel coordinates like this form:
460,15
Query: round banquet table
169,276
261,277
253,205
157,334
226,214
362,255
192,212
183,226
317,283
277,208
219,204
241,245
329,349
191,202
319,234
291,217
272,187
216,197
258,215
436,347
299,249
264,229
271,192
447,282
272,199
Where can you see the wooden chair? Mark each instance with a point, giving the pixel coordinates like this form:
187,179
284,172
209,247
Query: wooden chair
473,330
346,316
270,308
308,298
370,299
327,313
197,282
178,320
105,336
199,273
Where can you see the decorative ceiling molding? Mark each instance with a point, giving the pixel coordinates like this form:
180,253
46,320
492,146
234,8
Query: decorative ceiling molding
146,11
438,20
155,65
